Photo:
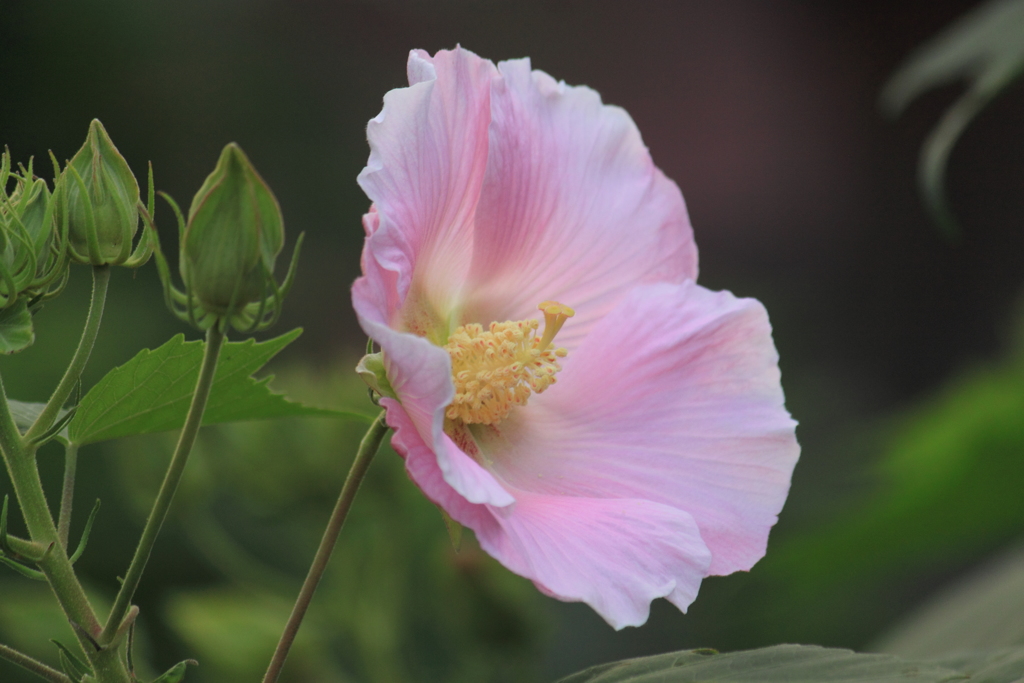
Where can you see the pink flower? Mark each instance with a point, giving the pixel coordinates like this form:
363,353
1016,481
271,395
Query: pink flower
648,447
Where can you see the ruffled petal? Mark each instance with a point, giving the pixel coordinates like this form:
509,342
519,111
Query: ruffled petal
428,154
428,151
420,374
572,208
422,464
674,397
615,555
378,286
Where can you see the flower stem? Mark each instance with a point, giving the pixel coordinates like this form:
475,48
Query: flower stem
33,665
100,281
67,496
367,449
214,342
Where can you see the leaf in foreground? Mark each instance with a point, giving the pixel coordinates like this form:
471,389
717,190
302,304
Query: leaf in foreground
152,391
999,666
775,664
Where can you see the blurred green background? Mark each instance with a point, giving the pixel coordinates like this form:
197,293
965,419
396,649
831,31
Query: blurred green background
901,354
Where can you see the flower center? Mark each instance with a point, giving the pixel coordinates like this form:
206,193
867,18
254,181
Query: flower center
498,368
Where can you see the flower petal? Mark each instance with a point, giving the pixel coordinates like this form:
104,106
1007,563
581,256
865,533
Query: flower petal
572,208
428,149
428,153
615,555
421,376
675,398
424,469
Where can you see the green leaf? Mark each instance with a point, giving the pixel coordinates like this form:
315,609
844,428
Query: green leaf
778,663
1001,666
985,46
152,391
176,673
16,331
983,612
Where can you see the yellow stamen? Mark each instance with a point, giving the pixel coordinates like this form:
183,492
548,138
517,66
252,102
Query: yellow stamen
555,315
499,368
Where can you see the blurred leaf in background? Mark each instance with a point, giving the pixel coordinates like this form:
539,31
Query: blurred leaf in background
986,47
950,480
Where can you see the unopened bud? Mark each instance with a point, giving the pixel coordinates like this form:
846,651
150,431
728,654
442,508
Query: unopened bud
99,199
33,262
228,248
234,233
372,371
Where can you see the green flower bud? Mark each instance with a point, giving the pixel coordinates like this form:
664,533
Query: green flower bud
33,262
99,199
234,233
228,248
372,371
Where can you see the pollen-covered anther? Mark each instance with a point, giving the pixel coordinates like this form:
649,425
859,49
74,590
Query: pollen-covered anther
499,368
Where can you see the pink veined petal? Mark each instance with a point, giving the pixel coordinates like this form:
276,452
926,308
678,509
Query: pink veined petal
675,398
420,373
422,465
572,208
378,286
428,153
615,555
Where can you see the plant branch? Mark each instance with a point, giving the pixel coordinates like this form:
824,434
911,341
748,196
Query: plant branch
214,342
367,449
21,466
10,437
33,665
100,281
67,496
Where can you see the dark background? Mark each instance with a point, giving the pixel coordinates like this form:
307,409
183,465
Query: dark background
801,194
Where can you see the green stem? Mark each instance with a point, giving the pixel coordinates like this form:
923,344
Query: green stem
20,458
367,449
21,465
67,496
55,565
10,438
214,341
33,665
100,281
